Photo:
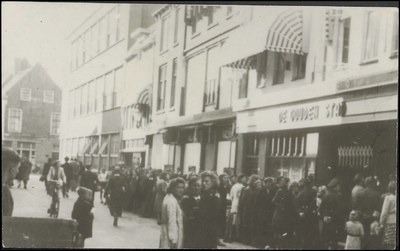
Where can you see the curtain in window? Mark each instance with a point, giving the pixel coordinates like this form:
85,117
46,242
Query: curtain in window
372,39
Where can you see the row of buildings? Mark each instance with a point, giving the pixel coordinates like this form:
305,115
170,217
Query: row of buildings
269,90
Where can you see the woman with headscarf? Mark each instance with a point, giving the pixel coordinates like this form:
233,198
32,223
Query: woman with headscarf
172,218
388,217
248,210
161,191
208,210
10,162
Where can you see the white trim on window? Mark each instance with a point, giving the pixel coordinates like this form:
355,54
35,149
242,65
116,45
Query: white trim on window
27,95
47,98
9,120
51,124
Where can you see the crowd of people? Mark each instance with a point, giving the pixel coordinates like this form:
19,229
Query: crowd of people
205,210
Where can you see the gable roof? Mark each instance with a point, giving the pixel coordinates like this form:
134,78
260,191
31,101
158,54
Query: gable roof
15,79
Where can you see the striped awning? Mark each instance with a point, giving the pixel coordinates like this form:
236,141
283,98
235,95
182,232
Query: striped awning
286,33
245,63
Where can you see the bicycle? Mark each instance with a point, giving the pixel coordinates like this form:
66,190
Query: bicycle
55,198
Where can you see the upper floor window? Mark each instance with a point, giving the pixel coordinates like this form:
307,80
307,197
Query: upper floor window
342,50
173,82
372,36
55,123
114,144
99,93
212,74
77,104
289,65
48,97
71,103
84,99
93,40
212,14
177,13
14,120
164,34
92,96
112,27
109,91
118,87
280,68
102,34
79,52
229,10
25,94
299,66
120,25
162,82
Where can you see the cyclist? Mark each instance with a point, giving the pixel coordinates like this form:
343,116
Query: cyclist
56,178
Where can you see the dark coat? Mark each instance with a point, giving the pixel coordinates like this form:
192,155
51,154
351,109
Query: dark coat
223,191
7,201
248,207
208,215
367,201
24,170
306,203
115,189
332,206
264,208
67,170
46,168
89,180
191,222
81,213
284,215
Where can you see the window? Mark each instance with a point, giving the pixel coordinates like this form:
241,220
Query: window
84,99
120,25
108,91
48,97
6,144
27,149
229,10
92,96
176,31
99,93
372,36
73,55
85,48
94,144
102,34
25,94
164,34
93,40
112,27
14,120
280,67
395,36
342,50
71,103
162,81
242,76
212,73
77,105
79,52
118,87
211,14
74,147
299,66
173,82
253,144
114,144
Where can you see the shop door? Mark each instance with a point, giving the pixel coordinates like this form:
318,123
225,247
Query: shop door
226,156
192,156
128,159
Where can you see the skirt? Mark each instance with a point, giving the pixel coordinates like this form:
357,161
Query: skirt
389,234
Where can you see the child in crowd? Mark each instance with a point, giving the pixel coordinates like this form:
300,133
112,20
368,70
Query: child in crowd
82,214
355,231
374,232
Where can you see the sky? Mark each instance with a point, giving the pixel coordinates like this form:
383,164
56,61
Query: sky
38,32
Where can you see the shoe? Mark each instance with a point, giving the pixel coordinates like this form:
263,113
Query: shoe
115,222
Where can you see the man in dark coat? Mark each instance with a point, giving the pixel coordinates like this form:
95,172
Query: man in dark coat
68,175
81,213
367,201
24,171
90,180
115,191
284,215
148,194
191,217
331,211
46,168
223,189
264,210
307,221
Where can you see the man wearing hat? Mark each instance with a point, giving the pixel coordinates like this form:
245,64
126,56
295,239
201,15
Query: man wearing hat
331,211
68,175
90,180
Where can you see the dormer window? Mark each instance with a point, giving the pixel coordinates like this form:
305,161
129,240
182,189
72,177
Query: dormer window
25,94
48,97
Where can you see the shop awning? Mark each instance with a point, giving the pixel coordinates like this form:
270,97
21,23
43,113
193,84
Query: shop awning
282,30
286,33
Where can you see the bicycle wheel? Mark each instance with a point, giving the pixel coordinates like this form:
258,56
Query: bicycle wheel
56,209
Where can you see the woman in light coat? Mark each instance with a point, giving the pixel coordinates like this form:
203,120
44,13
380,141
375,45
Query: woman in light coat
388,217
172,218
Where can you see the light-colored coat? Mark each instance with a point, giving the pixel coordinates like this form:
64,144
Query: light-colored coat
61,174
388,214
172,223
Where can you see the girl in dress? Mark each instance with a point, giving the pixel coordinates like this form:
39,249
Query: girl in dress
355,231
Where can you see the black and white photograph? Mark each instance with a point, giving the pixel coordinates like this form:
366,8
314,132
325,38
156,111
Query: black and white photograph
207,125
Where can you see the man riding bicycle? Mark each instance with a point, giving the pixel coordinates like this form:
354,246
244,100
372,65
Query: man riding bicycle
56,178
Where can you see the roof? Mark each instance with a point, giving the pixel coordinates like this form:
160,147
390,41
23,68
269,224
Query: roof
16,78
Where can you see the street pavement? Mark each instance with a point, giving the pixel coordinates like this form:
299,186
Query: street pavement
132,231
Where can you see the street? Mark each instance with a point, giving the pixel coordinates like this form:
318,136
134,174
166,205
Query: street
132,231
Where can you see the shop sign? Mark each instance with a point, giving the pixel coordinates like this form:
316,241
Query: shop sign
333,109
28,135
350,83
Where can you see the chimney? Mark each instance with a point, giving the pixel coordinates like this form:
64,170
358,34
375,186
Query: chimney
21,65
